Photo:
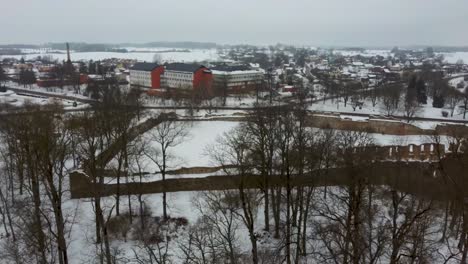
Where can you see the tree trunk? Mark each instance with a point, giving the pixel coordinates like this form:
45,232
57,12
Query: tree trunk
276,207
163,173
288,219
266,210
38,219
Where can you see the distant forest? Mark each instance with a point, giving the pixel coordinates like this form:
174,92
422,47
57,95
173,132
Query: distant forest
169,44
15,49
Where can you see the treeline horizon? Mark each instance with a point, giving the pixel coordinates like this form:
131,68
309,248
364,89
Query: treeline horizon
104,47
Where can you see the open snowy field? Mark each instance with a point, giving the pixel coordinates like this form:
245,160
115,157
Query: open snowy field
192,151
17,100
82,236
179,56
453,57
426,111
366,53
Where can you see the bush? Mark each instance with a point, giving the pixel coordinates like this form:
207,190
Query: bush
438,102
156,229
119,226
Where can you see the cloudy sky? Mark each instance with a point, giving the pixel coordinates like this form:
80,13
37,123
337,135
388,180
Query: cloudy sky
310,22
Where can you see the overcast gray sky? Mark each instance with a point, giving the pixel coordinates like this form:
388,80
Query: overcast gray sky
314,22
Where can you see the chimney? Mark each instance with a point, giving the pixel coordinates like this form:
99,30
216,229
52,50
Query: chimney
68,53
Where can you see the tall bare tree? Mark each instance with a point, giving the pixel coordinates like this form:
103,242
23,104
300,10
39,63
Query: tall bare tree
166,136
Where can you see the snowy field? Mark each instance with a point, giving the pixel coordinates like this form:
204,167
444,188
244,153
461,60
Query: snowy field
366,53
184,204
82,232
242,101
179,56
192,152
453,57
426,111
17,100
79,213
66,90
450,57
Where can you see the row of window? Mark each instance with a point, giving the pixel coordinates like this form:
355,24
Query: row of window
168,75
180,75
241,77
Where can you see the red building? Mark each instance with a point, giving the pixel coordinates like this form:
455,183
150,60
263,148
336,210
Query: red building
188,76
182,76
146,75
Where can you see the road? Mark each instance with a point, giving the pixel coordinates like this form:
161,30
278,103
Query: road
46,94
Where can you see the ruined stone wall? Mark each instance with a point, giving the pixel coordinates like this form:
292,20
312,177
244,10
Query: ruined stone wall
371,125
412,152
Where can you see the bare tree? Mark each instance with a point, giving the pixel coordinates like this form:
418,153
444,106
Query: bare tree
403,221
234,149
219,211
262,129
390,99
166,135
453,98
465,102
94,137
410,109
157,58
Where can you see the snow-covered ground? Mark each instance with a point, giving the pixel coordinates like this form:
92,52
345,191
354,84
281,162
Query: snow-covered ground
426,111
192,152
17,100
81,247
450,57
241,101
453,57
179,56
66,90
384,140
80,213
184,204
366,53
